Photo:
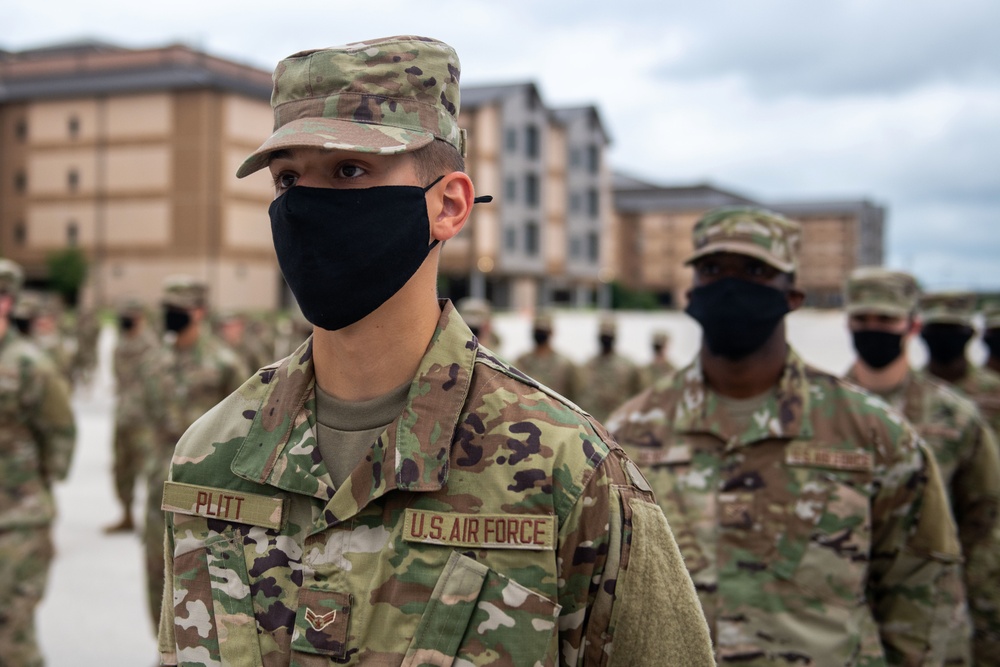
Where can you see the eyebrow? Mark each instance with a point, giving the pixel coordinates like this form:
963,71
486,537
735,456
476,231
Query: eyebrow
280,154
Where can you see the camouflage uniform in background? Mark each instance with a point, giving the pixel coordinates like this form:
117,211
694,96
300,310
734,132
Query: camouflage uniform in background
88,332
547,366
660,367
608,379
234,329
37,437
35,311
980,384
963,444
181,384
478,314
489,504
132,439
816,529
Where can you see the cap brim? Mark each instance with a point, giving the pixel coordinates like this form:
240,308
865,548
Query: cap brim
870,309
336,134
741,248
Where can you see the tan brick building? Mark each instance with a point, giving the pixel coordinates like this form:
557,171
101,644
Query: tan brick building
653,238
130,155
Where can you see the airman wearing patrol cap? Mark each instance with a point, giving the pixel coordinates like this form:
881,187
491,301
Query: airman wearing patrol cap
544,363
762,462
182,380
881,308
947,329
133,438
660,366
392,492
37,438
607,379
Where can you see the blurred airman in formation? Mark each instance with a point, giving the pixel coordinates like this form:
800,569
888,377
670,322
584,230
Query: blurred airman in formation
546,365
608,378
660,366
37,439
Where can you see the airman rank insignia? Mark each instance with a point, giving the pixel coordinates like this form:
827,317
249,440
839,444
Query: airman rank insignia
485,531
223,504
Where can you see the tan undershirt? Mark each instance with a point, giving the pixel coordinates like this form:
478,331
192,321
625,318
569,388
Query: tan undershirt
740,410
345,430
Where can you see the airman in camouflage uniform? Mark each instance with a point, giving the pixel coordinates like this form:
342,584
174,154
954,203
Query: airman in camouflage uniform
232,327
37,436
660,366
35,318
608,378
947,330
184,379
881,306
483,520
546,365
991,335
87,333
478,314
132,438
810,515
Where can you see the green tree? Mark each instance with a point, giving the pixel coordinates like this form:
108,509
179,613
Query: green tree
67,272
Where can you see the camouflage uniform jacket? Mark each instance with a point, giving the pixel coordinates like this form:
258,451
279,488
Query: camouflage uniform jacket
37,433
491,521
551,369
655,370
817,535
607,381
983,386
129,357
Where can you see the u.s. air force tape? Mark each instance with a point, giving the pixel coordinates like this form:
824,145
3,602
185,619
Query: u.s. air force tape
222,504
484,531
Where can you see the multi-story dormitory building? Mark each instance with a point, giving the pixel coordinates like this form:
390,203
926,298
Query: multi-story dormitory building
130,155
653,226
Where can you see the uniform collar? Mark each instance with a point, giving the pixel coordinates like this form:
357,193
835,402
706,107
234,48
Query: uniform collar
784,415
412,454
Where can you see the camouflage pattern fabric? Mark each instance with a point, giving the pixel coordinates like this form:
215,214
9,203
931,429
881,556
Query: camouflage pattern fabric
25,556
180,386
607,381
551,369
389,113
754,232
983,387
491,523
655,371
819,535
37,437
88,332
969,461
132,444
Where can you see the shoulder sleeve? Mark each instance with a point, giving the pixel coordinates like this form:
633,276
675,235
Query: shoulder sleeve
627,596
53,422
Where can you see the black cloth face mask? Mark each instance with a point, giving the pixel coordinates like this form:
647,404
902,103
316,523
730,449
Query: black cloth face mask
606,343
126,323
992,341
346,252
540,336
946,342
176,319
736,316
878,349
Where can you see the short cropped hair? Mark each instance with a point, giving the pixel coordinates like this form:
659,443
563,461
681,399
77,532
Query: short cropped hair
436,159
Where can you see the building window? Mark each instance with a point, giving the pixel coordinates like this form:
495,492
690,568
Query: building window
510,239
593,246
20,182
574,202
20,233
73,180
510,139
72,233
593,203
531,238
574,247
74,127
531,189
574,157
21,130
531,140
510,189
593,159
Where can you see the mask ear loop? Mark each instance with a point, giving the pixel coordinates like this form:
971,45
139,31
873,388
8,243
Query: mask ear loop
483,199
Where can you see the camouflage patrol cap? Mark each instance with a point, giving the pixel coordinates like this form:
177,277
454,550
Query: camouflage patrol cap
474,311
130,306
873,289
606,325
767,236
11,277
948,308
991,314
384,96
542,321
184,292
30,305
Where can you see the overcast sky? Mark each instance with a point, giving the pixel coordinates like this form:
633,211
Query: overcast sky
895,101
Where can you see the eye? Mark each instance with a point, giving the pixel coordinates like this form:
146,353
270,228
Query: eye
350,170
285,180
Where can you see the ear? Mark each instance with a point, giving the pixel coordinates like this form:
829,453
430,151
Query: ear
449,204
